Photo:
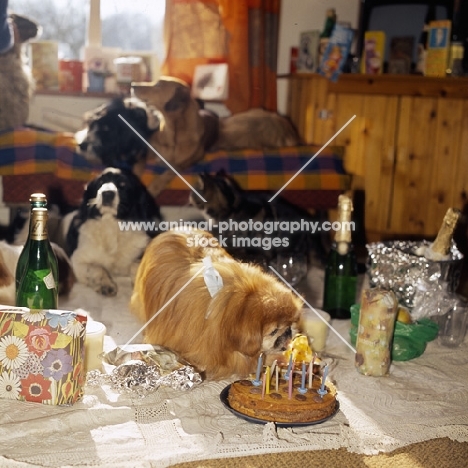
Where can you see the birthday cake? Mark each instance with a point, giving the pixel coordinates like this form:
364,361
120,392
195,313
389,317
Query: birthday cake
282,405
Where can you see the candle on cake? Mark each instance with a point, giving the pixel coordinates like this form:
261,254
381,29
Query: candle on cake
311,371
290,384
322,390
303,388
257,382
288,371
276,377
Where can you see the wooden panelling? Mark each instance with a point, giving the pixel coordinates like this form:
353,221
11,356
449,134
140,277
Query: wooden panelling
408,143
416,136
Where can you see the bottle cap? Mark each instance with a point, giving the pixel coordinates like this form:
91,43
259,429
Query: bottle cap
37,197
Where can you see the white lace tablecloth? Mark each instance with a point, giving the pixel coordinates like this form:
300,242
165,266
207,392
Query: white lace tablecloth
421,399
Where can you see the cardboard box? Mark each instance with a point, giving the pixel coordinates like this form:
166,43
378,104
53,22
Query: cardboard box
42,355
438,44
336,52
373,53
401,54
308,53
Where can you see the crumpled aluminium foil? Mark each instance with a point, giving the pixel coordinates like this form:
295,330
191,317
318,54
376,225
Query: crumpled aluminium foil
142,369
425,287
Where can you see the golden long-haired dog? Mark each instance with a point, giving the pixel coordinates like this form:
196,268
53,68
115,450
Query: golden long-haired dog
223,335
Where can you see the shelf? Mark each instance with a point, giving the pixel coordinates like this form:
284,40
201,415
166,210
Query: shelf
394,85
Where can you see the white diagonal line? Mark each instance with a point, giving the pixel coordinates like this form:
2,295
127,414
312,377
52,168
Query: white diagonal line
311,308
312,158
164,306
166,162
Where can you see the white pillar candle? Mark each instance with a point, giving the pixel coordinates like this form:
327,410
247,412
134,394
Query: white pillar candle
314,323
94,344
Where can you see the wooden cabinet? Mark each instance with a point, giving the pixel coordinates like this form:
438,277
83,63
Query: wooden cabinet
407,147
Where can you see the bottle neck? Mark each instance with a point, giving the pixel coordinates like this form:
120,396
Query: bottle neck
41,203
443,240
39,229
343,234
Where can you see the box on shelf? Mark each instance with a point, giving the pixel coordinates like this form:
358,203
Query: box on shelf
43,58
70,75
308,53
336,52
438,45
373,52
401,55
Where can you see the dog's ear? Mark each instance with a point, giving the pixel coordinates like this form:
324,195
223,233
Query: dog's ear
180,99
200,181
239,326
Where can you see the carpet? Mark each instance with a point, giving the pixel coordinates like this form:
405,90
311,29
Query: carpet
436,453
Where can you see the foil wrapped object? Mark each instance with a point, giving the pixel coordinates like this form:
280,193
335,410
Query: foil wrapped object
426,287
142,369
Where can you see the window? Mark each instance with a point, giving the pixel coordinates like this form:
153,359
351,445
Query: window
127,25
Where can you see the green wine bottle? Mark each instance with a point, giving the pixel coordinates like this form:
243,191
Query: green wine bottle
37,288
37,200
341,269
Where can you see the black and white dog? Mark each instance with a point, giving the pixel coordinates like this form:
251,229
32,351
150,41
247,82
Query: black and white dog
108,140
99,245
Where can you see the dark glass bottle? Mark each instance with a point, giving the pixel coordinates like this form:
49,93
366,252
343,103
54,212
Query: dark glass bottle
37,288
330,22
37,200
341,269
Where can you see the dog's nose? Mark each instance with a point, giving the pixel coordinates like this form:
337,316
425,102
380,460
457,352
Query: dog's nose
83,146
108,197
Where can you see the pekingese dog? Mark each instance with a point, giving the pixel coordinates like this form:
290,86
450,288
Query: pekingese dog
223,335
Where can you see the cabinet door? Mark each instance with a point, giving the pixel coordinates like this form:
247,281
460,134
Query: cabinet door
370,148
431,163
307,97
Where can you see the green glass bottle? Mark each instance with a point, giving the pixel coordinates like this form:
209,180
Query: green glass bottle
341,269
37,200
37,288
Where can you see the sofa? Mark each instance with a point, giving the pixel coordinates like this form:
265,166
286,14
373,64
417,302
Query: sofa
33,160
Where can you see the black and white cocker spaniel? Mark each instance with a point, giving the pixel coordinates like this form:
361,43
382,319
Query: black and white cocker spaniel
100,243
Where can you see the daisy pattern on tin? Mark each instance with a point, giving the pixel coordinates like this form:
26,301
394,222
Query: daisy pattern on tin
13,352
10,386
74,329
34,315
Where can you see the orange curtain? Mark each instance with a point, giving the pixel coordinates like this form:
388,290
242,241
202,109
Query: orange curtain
241,33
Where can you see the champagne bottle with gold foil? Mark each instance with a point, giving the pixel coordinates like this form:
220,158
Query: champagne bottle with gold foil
440,248
37,200
37,288
341,268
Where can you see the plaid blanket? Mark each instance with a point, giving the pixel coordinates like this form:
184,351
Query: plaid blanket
28,151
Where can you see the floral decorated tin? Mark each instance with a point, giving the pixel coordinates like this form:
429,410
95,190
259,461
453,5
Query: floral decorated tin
42,355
